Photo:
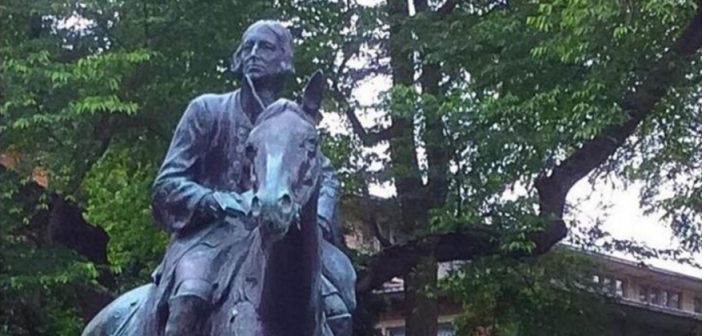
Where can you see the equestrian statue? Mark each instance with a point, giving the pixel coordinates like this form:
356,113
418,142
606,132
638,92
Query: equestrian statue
250,203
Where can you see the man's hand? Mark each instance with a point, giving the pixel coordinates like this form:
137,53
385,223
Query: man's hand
230,203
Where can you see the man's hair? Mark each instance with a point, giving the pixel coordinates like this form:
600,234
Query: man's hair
284,41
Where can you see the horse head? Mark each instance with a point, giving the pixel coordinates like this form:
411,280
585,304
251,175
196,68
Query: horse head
283,149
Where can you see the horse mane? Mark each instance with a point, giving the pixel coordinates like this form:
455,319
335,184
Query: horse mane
281,105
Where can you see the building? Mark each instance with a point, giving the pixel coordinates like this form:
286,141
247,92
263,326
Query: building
12,161
650,301
653,301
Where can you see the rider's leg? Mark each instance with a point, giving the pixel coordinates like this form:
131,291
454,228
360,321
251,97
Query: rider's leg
186,315
190,304
338,280
336,311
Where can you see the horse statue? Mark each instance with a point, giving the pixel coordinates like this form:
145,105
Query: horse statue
274,289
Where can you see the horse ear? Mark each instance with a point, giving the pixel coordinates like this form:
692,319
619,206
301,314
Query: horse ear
311,99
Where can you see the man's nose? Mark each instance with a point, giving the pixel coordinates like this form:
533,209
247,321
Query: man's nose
254,50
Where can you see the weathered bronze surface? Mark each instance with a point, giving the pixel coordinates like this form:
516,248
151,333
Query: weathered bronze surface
250,203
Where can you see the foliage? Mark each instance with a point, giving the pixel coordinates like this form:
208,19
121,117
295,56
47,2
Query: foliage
536,297
37,282
117,200
533,80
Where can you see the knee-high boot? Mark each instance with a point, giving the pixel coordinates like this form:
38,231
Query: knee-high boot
187,315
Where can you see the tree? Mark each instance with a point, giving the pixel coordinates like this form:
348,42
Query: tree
486,96
549,295
537,94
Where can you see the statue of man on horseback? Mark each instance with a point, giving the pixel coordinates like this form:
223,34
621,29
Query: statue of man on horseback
250,202
202,192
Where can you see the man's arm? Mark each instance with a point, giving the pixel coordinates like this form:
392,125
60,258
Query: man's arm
178,202
327,204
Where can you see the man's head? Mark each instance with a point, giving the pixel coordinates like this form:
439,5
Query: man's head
266,50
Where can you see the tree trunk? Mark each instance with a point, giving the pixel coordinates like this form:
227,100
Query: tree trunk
421,311
421,302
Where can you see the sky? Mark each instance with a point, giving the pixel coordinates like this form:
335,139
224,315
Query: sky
624,218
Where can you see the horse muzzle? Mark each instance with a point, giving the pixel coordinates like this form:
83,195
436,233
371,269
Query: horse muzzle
276,213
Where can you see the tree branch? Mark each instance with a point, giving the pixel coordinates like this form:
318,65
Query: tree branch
368,138
65,222
62,224
638,104
371,216
552,189
447,8
401,258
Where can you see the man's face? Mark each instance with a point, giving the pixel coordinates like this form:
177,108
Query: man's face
260,54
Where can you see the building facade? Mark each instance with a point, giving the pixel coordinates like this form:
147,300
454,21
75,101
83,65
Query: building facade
647,301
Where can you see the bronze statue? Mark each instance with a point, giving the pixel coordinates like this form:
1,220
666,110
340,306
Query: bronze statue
228,198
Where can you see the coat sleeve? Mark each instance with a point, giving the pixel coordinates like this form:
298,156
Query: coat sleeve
176,196
327,204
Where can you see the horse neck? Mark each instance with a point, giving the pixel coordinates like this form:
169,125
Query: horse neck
291,277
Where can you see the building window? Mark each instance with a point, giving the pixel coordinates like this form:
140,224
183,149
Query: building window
643,293
620,288
609,285
674,299
698,304
661,297
399,331
663,300
654,296
445,329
